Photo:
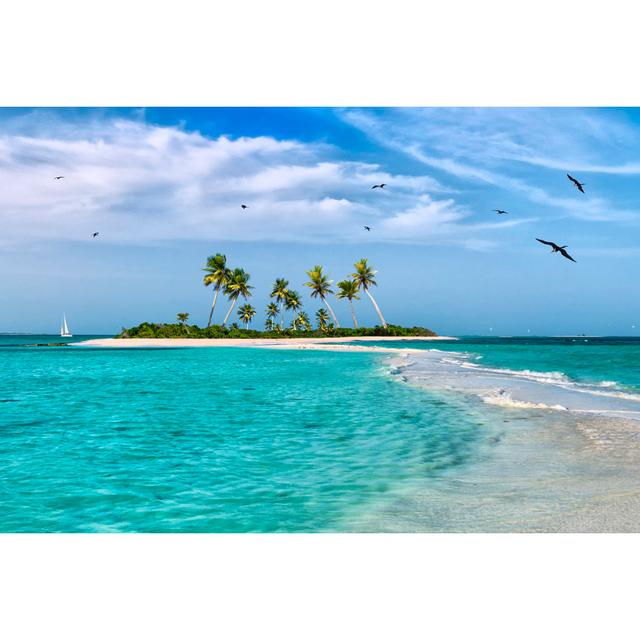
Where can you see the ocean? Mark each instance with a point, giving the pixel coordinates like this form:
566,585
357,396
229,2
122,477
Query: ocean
263,440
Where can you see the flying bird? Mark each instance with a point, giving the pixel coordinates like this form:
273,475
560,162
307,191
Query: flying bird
58,177
367,228
243,206
500,211
97,233
579,185
555,248
379,186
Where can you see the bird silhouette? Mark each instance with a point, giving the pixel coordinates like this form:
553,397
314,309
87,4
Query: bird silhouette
500,211
367,228
97,233
555,248
379,186
579,185
243,206
58,177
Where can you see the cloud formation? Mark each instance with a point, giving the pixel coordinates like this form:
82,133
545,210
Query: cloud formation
140,183
505,147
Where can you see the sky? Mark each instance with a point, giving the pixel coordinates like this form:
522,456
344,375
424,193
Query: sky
163,186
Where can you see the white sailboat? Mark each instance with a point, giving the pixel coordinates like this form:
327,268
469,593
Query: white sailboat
64,329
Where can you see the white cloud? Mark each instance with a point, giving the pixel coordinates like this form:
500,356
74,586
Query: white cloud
567,139
139,183
482,145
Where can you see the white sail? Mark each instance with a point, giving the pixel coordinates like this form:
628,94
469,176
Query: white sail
64,329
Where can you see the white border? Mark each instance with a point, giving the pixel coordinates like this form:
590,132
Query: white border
330,53
318,586
287,52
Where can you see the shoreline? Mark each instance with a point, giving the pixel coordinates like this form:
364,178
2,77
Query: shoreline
539,468
311,343
510,389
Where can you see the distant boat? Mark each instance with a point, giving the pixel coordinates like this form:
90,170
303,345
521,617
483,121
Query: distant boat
64,329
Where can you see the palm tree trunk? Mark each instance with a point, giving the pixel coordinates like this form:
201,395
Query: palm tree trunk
233,304
353,315
282,317
213,306
333,315
384,324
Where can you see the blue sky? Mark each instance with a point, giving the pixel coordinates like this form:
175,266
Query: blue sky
163,186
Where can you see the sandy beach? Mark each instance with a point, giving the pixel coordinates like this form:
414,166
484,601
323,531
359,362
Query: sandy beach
565,460
291,343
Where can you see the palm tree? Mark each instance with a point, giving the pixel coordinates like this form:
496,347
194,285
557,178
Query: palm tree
218,275
364,279
246,313
280,292
236,287
349,289
320,286
182,319
305,321
301,321
323,318
292,301
272,313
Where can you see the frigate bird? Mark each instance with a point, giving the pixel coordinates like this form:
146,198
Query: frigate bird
97,233
243,206
500,211
555,248
379,186
58,177
367,228
579,185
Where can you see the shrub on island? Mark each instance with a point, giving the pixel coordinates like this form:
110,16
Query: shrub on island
154,330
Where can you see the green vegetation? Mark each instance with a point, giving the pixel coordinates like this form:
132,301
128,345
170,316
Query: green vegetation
246,313
218,275
322,318
320,287
280,293
151,330
271,313
301,322
292,303
363,278
237,286
348,289
234,284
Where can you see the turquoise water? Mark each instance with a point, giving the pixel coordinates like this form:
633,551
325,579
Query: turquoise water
212,440
8,340
583,359
250,440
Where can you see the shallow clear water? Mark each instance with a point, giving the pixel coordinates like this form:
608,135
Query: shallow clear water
213,440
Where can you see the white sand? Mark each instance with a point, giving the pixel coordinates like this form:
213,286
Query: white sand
291,343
